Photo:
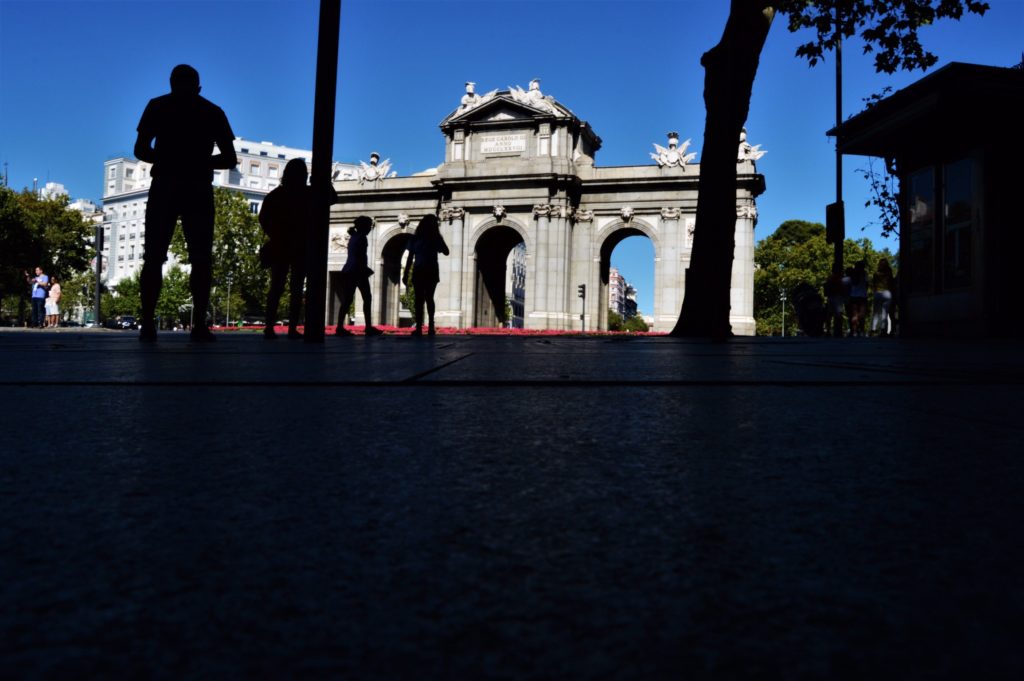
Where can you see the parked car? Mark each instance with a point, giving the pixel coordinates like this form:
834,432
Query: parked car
125,321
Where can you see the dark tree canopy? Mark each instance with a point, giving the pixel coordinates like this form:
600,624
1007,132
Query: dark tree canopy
889,28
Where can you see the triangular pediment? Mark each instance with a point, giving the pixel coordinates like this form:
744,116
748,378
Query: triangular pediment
501,106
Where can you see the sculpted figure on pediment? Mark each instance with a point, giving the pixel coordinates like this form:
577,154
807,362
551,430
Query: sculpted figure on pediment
533,97
471,99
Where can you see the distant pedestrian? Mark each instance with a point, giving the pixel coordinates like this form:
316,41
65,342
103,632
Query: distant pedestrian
858,298
40,288
356,275
835,294
52,307
882,283
286,218
177,133
422,262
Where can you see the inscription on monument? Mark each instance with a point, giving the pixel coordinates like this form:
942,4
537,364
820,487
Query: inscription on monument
503,144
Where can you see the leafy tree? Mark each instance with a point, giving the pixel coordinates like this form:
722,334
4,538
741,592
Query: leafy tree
797,253
884,196
635,324
124,299
614,320
39,232
889,28
174,296
78,291
237,238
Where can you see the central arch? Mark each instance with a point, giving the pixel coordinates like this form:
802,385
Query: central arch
492,254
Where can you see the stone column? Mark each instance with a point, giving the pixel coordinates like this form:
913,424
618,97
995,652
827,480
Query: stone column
741,295
668,277
452,269
586,269
561,267
538,317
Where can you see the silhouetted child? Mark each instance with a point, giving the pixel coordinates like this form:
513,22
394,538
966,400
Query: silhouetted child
836,296
286,218
356,275
176,134
424,246
858,298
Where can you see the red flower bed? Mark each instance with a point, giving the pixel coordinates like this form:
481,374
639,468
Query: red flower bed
450,331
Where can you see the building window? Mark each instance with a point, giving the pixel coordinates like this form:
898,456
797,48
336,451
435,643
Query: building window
272,170
113,172
921,210
244,150
263,153
254,207
129,172
254,168
956,216
280,155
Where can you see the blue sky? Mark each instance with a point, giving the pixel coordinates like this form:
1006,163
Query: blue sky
75,77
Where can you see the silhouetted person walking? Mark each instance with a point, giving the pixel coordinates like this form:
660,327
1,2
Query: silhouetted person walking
176,134
286,218
356,275
422,260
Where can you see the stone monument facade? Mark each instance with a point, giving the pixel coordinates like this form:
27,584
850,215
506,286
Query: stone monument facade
519,169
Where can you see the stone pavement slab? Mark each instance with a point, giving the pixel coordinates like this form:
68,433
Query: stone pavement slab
510,508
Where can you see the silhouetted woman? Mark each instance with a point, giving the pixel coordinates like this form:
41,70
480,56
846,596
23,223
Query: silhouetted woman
883,285
285,217
424,246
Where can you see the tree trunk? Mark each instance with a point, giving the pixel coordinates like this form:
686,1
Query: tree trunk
730,68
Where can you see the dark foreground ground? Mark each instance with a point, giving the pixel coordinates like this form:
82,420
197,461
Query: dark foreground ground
510,508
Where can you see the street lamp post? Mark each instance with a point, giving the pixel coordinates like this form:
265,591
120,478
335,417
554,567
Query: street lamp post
227,315
783,312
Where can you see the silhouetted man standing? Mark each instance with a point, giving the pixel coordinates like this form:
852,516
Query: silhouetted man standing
177,133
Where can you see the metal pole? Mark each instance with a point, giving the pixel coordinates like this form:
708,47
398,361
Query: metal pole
837,256
323,149
227,318
99,273
783,313
583,313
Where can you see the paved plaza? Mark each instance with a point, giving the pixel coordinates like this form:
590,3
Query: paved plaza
510,508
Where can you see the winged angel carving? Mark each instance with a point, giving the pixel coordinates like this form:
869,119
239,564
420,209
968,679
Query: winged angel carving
674,155
375,170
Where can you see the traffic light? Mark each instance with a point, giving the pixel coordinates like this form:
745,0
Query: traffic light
582,288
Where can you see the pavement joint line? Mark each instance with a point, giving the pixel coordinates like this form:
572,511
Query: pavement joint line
915,371
525,383
416,377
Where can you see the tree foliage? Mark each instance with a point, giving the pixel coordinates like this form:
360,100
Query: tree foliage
41,232
237,238
889,29
794,254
